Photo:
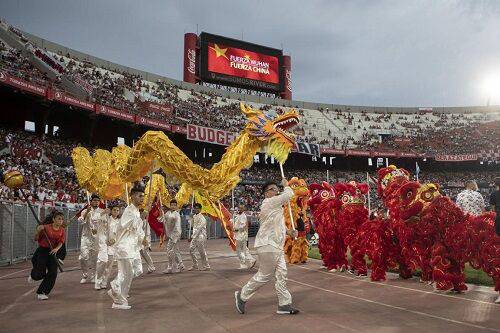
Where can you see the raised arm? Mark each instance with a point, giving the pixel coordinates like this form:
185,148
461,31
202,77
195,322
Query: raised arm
283,198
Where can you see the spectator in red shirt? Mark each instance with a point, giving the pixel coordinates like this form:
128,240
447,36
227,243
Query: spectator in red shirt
50,239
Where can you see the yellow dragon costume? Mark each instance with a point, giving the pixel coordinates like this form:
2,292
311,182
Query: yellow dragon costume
109,173
297,250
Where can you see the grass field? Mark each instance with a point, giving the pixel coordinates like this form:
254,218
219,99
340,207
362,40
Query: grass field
472,275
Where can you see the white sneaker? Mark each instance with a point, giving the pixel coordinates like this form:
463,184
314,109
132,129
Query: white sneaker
205,268
333,270
192,268
42,297
243,267
497,300
151,270
120,306
111,294
167,271
30,280
83,280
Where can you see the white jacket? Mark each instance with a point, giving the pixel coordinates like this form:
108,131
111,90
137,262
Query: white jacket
102,237
240,224
129,234
147,232
112,226
172,224
199,227
272,230
91,221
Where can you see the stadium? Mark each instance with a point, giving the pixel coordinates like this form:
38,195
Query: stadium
57,100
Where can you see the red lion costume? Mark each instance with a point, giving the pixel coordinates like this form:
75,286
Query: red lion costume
390,180
377,241
351,214
323,206
435,235
441,240
484,246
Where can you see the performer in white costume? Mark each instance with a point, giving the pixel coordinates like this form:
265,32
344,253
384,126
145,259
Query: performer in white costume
198,240
130,238
269,243
106,236
89,219
145,249
172,226
240,227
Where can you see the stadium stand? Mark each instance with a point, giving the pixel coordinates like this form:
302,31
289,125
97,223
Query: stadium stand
439,131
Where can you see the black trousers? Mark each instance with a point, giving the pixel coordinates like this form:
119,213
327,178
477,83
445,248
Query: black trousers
44,268
61,254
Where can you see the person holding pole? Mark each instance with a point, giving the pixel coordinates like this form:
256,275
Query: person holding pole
240,227
145,249
130,237
269,243
44,259
172,225
88,245
113,223
197,241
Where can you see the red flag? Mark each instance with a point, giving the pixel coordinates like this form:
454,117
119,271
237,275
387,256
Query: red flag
153,216
225,219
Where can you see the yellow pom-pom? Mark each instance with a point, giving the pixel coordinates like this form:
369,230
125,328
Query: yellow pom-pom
13,179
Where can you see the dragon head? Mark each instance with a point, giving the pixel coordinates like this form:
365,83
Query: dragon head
299,187
389,176
274,131
414,198
351,193
321,193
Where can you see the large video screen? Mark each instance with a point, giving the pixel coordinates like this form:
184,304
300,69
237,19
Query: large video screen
240,64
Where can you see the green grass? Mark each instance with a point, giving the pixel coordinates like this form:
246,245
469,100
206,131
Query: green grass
473,276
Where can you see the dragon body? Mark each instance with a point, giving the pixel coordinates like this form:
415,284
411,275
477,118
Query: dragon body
108,173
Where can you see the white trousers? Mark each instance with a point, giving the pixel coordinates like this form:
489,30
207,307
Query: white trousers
103,271
120,286
88,256
243,253
270,263
147,258
197,246
174,259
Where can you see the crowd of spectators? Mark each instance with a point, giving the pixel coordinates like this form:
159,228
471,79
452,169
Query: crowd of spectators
423,132
46,181
13,62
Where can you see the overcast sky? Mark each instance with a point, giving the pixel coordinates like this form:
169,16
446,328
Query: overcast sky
383,53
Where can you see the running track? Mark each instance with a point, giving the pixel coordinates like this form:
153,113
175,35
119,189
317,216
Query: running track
204,302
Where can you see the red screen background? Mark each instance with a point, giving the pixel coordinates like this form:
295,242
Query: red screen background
221,63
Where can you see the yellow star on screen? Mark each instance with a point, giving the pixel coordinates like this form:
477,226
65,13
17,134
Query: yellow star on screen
247,57
219,52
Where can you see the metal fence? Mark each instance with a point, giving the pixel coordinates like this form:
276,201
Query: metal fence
17,230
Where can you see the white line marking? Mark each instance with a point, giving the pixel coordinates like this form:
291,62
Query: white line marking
396,307
10,306
22,270
398,287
